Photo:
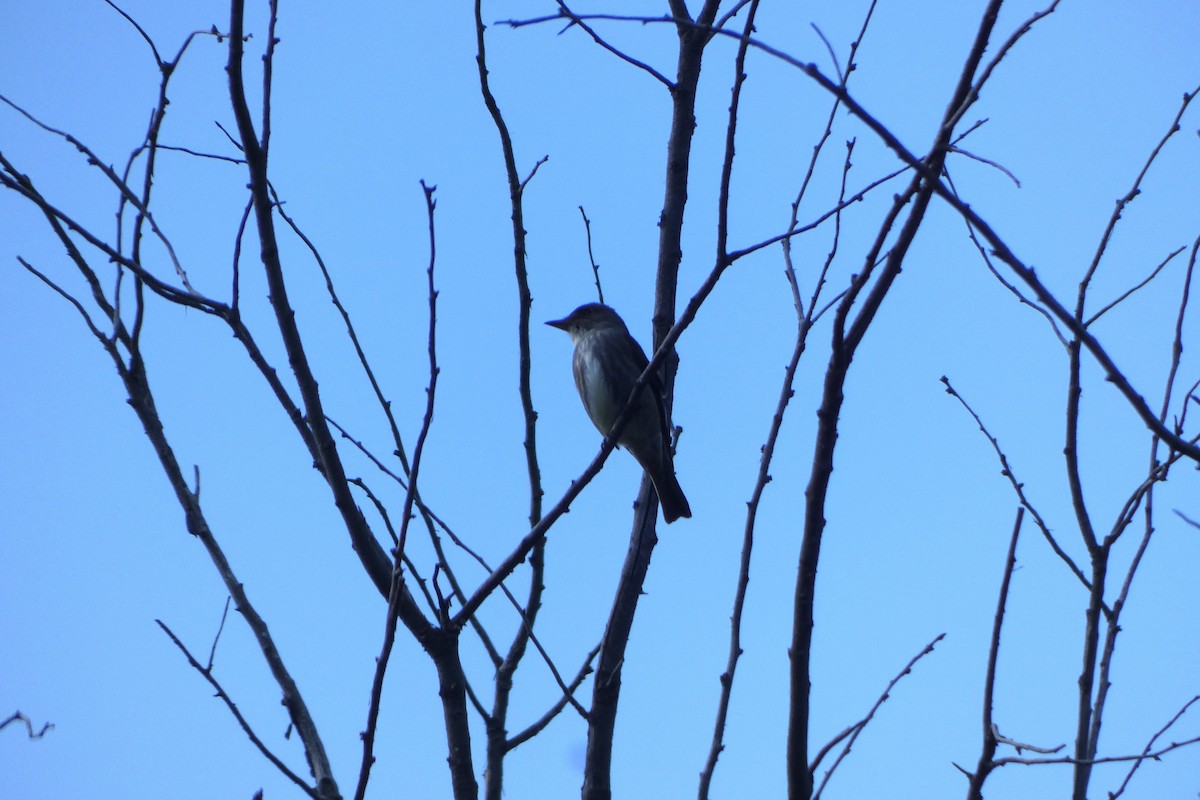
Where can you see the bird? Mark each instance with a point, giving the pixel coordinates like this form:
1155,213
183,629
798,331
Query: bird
607,362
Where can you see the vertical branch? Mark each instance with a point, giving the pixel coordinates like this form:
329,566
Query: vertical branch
988,750
844,345
693,37
1097,553
1091,696
398,589
805,323
1145,494
587,226
442,645
150,145
735,643
452,688
524,299
497,735
606,689
374,559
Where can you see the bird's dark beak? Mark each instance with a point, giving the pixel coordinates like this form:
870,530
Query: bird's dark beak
561,324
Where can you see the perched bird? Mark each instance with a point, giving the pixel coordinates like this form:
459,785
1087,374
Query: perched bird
607,363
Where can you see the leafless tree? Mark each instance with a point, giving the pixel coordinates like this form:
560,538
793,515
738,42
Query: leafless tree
435,600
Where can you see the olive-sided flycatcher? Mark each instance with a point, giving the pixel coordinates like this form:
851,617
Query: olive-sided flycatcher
608,360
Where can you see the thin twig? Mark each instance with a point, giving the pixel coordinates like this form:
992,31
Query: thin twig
212,653
995,165
1186,518
1003,281
384,404
17,716
587,226
739,599
1128,292
578,21
987,750
857,728
237,714
1153,755
1018,487
1149,746
568,696
126,192
397,587
1144,495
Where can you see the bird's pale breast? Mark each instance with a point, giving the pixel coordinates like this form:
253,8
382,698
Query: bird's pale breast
595,390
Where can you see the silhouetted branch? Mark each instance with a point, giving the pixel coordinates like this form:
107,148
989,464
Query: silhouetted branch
988,749
1153,755
17,716
1150,746
606,687
212,652
587,226
506,668
224,697
1018,487
1187,519
850,735
739,600
1003,281
127,194
851,322
579,22
568,697
374,559
1130,291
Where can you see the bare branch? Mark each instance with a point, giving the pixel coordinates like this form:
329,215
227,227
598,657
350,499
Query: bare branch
141,31
17,716
1150,746
398,590
796,230
990,734
63,293
507,667
854,730
995,165
1130,291
991,267
579,21
1019,746
1130,195
126,192
212,652
587,226
206,673
374,560
1019,487
385,405
1187,519
739,600
1153,755
568,697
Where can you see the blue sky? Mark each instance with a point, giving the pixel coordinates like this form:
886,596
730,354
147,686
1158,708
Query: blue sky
370,102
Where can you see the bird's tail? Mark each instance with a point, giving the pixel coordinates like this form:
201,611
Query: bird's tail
670,496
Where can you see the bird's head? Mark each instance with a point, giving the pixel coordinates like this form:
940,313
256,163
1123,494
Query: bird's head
588,318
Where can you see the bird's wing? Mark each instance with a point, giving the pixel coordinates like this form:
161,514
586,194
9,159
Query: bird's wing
653,386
